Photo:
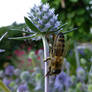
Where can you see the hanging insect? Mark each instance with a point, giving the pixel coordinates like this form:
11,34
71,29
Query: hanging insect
57,54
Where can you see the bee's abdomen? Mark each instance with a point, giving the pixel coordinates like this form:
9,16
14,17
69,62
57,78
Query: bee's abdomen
59,45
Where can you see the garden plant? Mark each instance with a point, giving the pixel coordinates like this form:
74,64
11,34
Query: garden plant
26,72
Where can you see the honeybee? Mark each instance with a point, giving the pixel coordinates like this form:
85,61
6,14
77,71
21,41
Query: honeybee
56,56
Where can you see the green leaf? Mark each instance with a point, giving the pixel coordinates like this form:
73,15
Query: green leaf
61,26
18,30
70,31
74,1
31,25
80,11
23,38
3,36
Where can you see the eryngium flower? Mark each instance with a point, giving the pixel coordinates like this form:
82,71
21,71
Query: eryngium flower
22,88
63,81
81,74
44,18
9,70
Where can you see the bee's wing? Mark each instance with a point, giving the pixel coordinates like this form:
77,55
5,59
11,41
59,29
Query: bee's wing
59,44
66,48
51,41
53,44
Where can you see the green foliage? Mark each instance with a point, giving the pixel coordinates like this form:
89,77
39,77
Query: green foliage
9,45
31,25
77,13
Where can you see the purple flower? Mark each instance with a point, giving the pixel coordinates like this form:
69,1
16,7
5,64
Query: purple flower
44,16
9,70
63,80
51,11
57,24
81,51
45,7
40,22
81,74
22,88
68,82
48,25
6,81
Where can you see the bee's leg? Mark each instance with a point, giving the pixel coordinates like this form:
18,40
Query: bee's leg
48,58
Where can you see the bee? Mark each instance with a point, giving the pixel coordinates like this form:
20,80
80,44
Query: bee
56,58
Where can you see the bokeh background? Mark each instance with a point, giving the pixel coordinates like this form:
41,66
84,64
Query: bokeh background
21,65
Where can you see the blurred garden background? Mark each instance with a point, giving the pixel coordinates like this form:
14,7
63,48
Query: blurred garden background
21,61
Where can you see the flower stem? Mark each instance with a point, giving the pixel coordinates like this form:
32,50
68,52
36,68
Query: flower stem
76,55
4,87
46,54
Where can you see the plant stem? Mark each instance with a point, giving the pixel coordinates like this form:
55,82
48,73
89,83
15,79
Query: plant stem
76,54
4,87
46,54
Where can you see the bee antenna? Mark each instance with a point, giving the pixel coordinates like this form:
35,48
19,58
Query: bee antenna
70,30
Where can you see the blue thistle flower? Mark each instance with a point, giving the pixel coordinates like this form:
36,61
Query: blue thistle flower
22,88
63,80
81,75
44,19
25,76
81,51
6,81
9,70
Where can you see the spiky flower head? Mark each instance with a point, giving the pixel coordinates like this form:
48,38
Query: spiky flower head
44,18
22,88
